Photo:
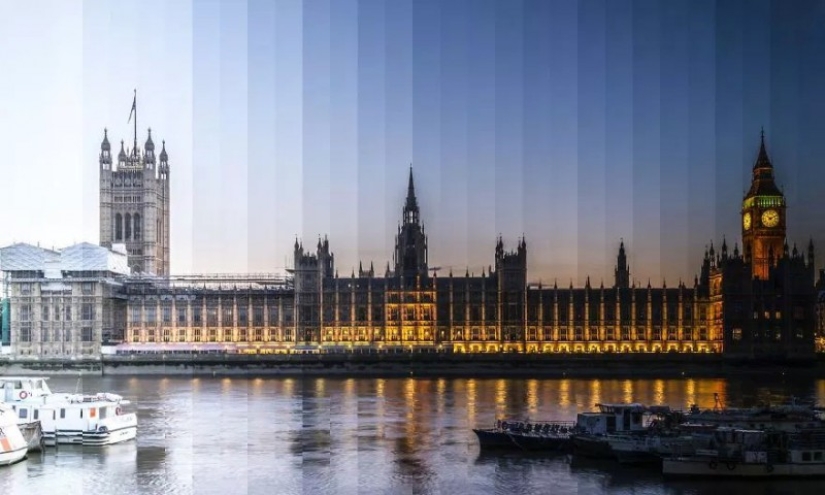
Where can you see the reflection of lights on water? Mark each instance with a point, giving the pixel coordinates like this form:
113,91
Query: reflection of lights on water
659,392
820,391
564,393
349,387
627,392
705,390
320,387
379,406
690,393
441,388
501,393
500,398
409,394
471,401
289,386
532,397
595,392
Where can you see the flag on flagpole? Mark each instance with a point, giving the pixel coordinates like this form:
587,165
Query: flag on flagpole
134,108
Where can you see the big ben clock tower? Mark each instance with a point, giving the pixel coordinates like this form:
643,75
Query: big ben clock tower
763,217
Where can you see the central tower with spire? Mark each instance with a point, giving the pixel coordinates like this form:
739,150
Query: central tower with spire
411,243
763,217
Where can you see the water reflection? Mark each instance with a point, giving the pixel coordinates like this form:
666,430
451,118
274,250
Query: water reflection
295,436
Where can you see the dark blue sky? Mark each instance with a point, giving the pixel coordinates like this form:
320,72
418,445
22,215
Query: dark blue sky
575,123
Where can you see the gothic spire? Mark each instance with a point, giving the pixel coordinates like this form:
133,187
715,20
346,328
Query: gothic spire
811,252
105,146
412,203
762,160
163,156
762,182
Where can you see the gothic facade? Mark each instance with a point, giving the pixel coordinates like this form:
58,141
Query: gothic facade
134,204
757,303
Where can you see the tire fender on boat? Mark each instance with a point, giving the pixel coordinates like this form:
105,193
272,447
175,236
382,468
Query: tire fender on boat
23,395
731,466
769,468
712,464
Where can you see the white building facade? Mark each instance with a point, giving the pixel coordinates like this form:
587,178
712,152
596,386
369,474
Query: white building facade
63,303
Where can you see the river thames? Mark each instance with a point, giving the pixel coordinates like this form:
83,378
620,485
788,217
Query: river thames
374,436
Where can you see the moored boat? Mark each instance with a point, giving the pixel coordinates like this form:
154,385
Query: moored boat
85,419
13,447
652,445
610,420
33,434
754,454
545,437
494,438
524,435
789,417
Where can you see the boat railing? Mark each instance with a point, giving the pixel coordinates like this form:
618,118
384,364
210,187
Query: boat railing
536,427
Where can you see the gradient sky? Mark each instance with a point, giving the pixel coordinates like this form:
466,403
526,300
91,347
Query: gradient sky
575,123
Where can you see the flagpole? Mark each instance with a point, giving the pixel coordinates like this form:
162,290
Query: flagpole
134,149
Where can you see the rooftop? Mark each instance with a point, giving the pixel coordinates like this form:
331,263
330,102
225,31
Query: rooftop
82,257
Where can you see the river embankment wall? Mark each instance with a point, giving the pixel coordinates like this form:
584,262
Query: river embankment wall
421,365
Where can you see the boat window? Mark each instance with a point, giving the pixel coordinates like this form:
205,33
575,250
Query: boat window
103,412
37,414
92,412
817,456
806,456
24,413
81,413
62,413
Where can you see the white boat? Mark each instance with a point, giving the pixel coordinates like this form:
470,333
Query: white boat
13,446
754,454
85,419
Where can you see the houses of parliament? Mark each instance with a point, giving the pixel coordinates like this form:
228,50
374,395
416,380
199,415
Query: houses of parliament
760,301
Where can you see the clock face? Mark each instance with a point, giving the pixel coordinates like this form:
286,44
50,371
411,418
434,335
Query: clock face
746,221
770,218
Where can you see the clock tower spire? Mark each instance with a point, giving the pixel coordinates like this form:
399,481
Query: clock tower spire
763,216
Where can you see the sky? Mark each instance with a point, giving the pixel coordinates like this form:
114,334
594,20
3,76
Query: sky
576,124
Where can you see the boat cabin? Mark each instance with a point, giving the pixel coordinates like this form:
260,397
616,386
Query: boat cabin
16,389
616,418
76,415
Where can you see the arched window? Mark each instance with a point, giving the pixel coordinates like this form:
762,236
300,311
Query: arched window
128,222
118,227
136,223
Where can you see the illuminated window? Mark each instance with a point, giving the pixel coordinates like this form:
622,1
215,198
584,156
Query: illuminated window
737,334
